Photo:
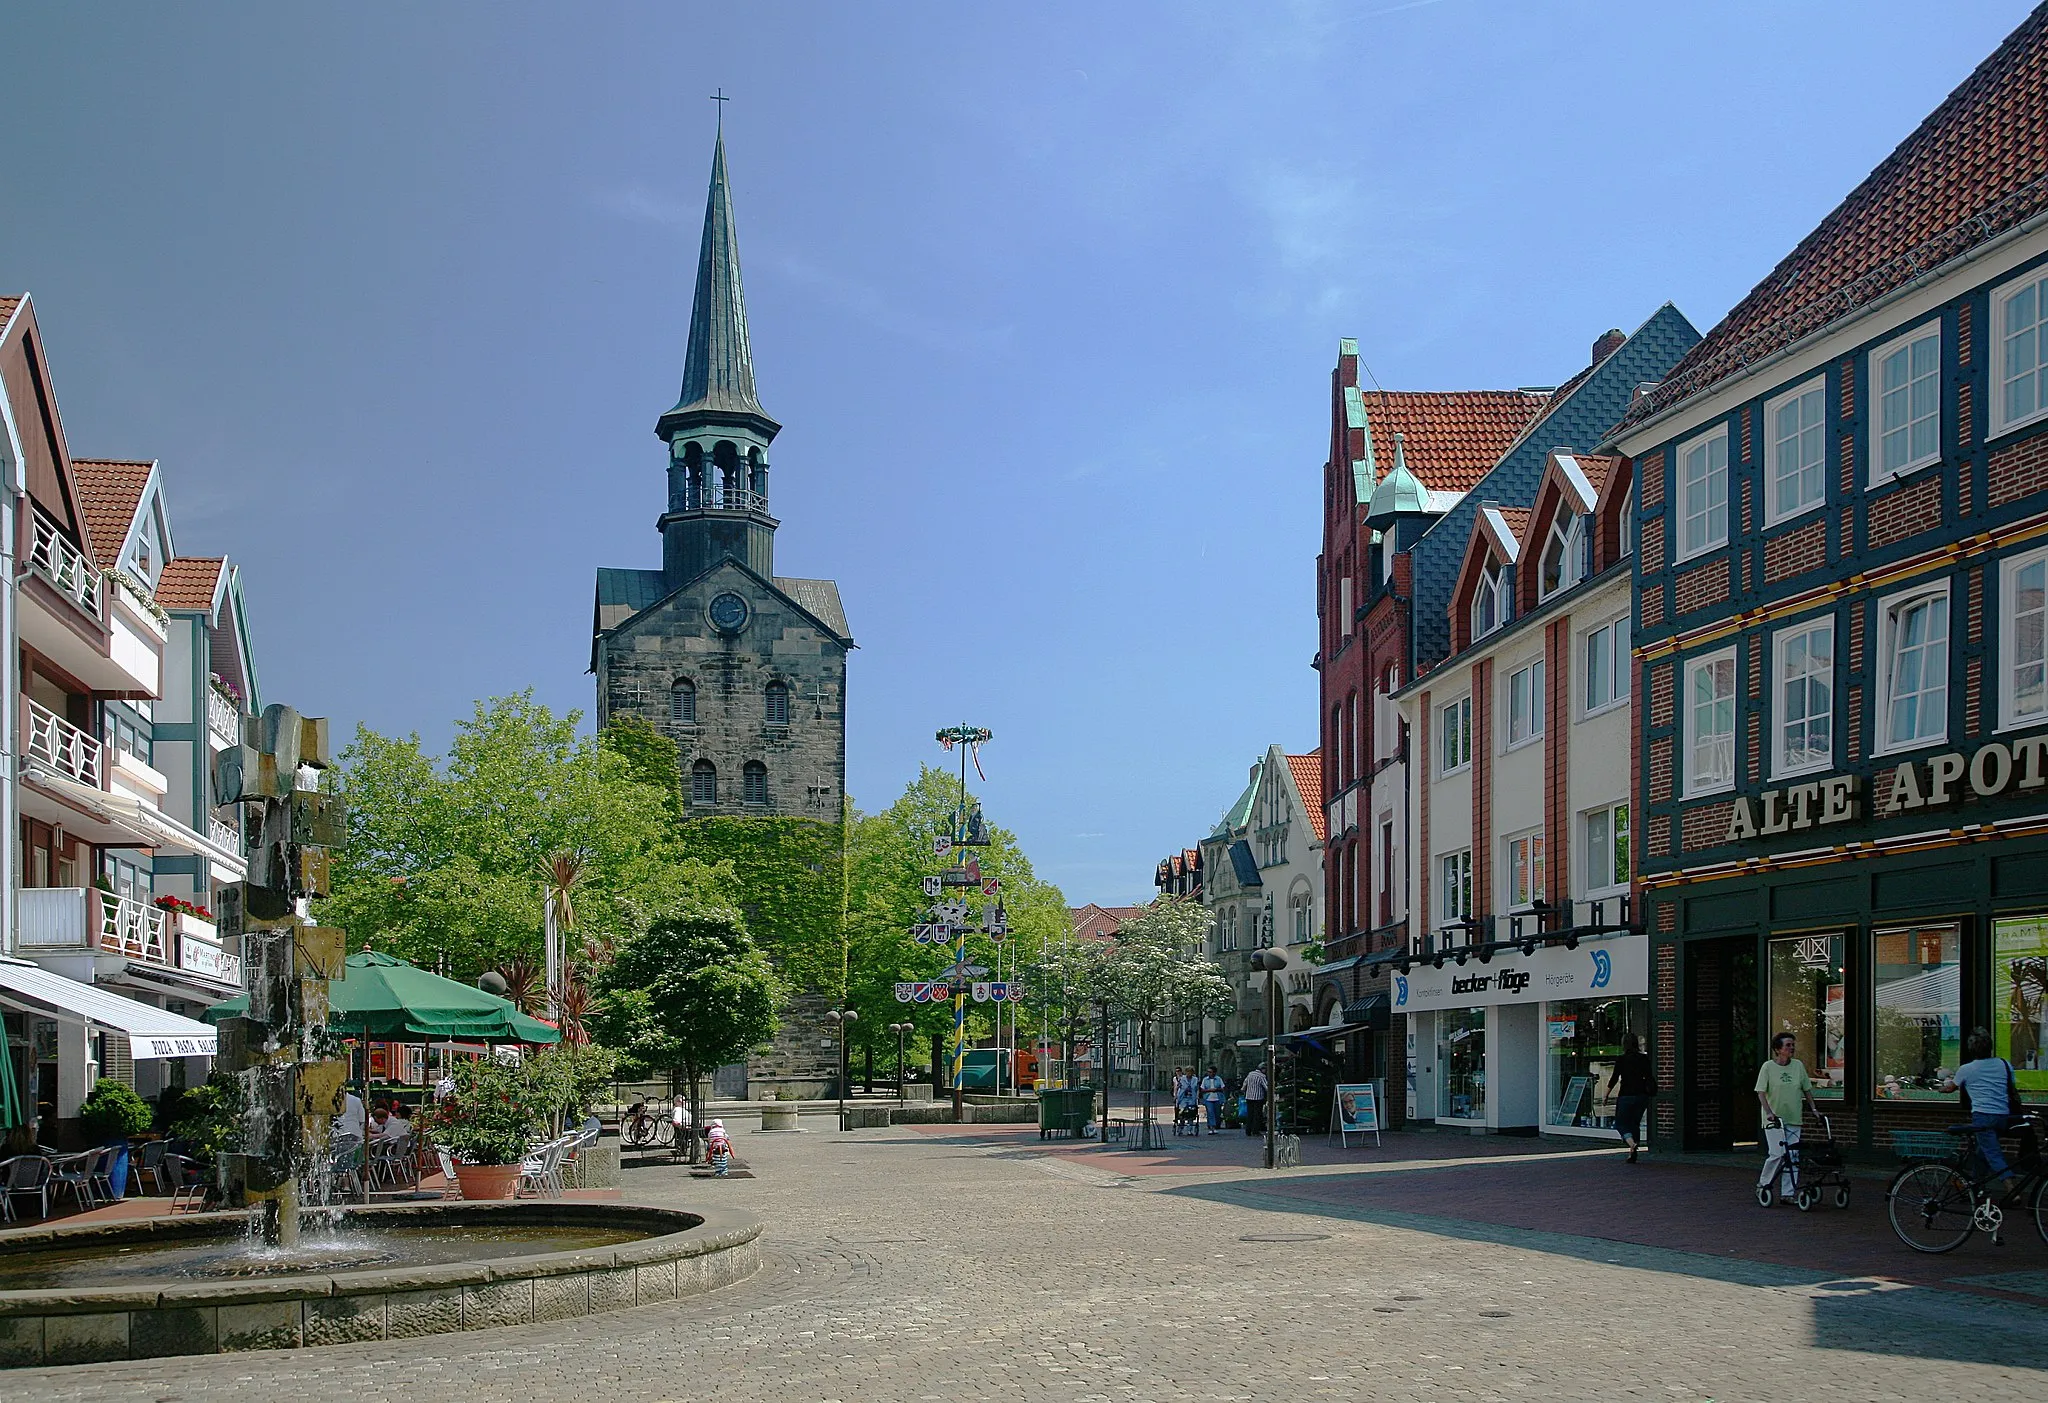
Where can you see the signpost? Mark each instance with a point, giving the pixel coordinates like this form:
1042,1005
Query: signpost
1355,1110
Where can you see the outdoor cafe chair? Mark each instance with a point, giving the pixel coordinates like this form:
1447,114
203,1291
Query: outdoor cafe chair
148,1162
188,1186
73,1174
342,1170
25,1175
543,1169
454,1185
103,1172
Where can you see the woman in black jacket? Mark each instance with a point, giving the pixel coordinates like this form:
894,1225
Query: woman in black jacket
1632,1075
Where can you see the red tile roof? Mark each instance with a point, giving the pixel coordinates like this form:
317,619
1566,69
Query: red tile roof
1598,468
1308,778
189,582
1975,168
1100,922
1517,519
7,305
1451,438
109,489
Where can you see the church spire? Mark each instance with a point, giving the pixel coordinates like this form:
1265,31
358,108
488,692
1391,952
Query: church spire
718,369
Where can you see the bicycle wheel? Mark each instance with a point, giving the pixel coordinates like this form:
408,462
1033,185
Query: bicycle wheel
664,1135
634,1136
1930,1207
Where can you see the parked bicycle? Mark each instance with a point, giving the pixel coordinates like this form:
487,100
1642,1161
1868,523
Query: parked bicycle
1935,1204
646,1128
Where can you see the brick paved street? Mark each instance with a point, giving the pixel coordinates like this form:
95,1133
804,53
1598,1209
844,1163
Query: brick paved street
934,1264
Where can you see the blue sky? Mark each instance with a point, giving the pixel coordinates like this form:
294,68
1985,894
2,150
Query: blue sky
1046,298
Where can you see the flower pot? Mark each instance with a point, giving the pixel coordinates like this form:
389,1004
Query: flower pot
487,1181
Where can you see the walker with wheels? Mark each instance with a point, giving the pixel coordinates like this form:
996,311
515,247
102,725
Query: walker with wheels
1816,1168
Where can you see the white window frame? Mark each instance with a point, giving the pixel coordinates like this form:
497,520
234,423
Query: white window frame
1817,389
1462,709
1695,783
1625,528
2009,716
1529,862
1782,765
1568,534
1454,885
1926,331
2036,279
1533,731
1717,535
1888,611
1605,853
1493,589
1620,662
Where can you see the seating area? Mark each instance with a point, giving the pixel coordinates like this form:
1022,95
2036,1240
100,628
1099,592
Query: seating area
83,1179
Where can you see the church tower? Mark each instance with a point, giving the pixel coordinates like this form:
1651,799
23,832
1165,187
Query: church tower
743,668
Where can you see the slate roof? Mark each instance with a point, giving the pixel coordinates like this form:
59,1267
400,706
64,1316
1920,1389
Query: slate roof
623,593
110,489
190,582
1308,780
819,598
1238,814
1452,436
1100,922
1977,166
1580,414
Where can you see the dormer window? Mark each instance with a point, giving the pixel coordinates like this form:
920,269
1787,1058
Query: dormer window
1564,555
1490,603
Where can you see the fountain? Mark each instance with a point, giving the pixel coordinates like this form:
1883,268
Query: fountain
253,1276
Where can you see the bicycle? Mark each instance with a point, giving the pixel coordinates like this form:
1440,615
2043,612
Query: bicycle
1936,1204
643,1129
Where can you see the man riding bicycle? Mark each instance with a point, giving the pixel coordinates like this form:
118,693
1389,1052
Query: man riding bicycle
1988,1083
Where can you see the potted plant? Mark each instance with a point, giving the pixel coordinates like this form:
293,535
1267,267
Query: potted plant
111,1114
486,1126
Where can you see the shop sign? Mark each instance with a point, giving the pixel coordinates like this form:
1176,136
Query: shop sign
1987,772
1617,966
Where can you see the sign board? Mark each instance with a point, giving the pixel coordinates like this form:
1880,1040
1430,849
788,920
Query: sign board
931,886
1575,1092
941,846
991,887
1620,965
1355,1110
994,991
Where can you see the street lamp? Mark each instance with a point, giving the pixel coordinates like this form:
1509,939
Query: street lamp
1272,962
841,1017
901,1030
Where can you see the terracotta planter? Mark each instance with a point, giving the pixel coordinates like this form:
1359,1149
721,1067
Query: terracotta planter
487,1181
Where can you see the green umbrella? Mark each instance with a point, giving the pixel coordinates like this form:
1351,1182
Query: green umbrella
382,997
10,1097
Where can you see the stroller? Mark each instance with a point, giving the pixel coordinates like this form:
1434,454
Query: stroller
1816,1166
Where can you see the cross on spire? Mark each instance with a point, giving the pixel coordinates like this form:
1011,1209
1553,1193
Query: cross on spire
721,99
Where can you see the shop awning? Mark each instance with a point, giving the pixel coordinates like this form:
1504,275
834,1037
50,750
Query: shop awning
126,819
1368,1012
1337,966
151,1032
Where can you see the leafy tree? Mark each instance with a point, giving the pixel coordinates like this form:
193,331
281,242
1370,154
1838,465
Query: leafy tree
650,757
447,855
1155,967
786,882
566,1079
689,992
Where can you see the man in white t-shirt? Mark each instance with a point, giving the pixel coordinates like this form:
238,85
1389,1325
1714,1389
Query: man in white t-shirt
1256,1089
352,1121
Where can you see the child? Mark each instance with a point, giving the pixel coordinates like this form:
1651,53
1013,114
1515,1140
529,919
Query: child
718,1148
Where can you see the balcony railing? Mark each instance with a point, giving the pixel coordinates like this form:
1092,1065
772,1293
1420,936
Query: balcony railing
714,496
65,566
50,918
133,929
75,918
224,834
62,746
223,720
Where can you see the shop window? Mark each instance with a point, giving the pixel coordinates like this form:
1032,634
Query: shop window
1913,641
2019,998
1710,724
1525,703
1908,376
1607,848
1583,1039
1607,666
1806,992
1461,1064
1524,867
2023,611
1919,984
1703,494
1793,446
1456,724
1456,889
1804,668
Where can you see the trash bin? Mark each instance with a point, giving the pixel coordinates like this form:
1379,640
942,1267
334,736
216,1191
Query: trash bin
1064,1110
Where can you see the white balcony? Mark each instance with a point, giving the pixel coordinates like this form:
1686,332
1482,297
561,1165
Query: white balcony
66,615
64,566
53,920
130,928
224,834
223,719
138,777
62,746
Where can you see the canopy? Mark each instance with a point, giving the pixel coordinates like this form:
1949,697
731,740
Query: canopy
381,996
10,1098
151,1031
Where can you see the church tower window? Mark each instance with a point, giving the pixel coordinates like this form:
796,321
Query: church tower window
778,704
703,783
754,783
682,702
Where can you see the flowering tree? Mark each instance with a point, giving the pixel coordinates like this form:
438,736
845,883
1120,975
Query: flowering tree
1155,967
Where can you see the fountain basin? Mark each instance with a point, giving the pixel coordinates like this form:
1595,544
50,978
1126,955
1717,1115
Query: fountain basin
131,1310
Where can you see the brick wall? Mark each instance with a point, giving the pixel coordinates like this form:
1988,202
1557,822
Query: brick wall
1795,552
1651,601
1701,586
1650,475
1705,825
1662,678
2019,470
1660,770
1905,512
1660,835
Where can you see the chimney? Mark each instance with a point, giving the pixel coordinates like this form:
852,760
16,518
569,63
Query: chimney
1609,342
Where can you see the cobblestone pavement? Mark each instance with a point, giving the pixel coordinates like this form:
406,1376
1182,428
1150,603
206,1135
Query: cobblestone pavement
926,1267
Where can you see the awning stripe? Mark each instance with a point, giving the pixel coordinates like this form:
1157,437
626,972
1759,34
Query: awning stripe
151,1032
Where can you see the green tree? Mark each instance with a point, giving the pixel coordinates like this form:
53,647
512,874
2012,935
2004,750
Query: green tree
650,757
1155,967
446,854
786,882
689,992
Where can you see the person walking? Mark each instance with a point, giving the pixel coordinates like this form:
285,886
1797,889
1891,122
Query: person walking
1212,1100
1992,1089
1256,1089
1632,1076
1784,1090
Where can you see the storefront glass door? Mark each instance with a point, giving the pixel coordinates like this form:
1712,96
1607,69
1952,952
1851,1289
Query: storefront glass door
1461,1064
1583,1038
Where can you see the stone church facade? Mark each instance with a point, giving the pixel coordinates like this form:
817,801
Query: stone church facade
743,668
